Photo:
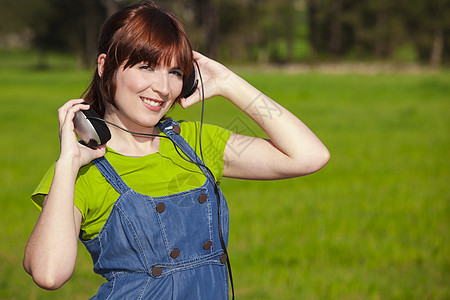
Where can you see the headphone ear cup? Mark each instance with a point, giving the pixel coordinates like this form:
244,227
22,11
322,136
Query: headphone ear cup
90,128
190,85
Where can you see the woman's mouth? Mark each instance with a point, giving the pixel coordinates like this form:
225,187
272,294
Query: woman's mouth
152,104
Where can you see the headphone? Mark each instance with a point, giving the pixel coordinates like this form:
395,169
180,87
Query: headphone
191,83
93,132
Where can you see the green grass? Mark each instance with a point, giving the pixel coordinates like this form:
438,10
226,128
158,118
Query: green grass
373,224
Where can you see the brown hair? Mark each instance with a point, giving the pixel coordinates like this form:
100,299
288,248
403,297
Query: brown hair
141,32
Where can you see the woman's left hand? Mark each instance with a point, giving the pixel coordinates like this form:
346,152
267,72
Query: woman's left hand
291,149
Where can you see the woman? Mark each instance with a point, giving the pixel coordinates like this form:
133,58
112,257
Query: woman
171,244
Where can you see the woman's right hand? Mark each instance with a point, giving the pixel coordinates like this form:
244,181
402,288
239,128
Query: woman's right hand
70,149
51,251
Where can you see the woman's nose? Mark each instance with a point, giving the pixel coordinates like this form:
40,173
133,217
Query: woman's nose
161,84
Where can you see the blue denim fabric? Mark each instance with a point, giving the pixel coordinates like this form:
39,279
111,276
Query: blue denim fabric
134,250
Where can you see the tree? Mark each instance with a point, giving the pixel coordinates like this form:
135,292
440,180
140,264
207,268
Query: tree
252,30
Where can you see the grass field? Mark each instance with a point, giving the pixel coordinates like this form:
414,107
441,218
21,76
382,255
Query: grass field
373,224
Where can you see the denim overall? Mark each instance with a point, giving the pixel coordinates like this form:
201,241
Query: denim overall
162,247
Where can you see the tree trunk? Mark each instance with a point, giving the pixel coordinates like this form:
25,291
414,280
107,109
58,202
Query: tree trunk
381,32
313,34
212,14
289,21
437,48
335,28
90,34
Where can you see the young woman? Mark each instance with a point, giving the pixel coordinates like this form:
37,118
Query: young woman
148,208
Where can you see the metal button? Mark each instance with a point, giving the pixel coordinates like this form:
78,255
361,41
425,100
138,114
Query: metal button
223,258
176,129
156,271
175,253
160,207
207,245
202,198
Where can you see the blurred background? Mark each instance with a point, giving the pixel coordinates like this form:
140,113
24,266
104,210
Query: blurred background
370,78
252,31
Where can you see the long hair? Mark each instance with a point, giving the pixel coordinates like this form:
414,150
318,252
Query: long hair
141,32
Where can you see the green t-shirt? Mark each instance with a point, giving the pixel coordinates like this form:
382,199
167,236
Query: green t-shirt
158,174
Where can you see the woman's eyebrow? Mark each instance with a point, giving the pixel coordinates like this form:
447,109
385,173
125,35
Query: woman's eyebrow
175,69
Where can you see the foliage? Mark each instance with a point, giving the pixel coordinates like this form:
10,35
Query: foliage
373,224
275,31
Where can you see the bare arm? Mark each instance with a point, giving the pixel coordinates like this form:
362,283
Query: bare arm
291,149
51,251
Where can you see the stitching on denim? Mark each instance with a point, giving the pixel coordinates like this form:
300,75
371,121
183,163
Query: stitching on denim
187,149
117,274
100,165
112,289
202,258
181,142
165,199
225,286
111,175
136,237
170,271
161,225
144,288
100,245
210,221
108,220
203,187
209,260
225,216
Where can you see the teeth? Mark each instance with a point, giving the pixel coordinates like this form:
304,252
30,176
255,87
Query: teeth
151,102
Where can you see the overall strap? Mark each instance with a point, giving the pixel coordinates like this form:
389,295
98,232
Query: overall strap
172,129
111,175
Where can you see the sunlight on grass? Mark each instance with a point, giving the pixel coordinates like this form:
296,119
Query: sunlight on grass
373,224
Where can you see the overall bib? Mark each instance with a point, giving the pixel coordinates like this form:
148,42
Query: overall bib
162,247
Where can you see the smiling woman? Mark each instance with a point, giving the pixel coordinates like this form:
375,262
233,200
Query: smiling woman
143,95
148,240
137,36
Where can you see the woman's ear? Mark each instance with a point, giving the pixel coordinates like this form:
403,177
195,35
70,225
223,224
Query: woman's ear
101,64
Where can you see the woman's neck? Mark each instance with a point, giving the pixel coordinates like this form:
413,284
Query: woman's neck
133,145
129,144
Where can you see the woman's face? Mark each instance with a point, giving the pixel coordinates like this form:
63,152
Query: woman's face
144,94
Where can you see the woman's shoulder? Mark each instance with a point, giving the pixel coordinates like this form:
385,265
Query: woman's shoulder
85,175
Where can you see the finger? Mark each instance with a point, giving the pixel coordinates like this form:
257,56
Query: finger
62,111
71,103
99,151
197,55
67,115
191,100
200,58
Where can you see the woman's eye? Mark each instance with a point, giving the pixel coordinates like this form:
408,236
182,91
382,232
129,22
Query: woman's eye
145,68
177,73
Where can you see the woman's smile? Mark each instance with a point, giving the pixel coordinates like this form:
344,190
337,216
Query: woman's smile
152,104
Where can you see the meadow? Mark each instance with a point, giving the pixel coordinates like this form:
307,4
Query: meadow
373,224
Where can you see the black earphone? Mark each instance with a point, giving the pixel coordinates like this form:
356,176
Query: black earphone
93,132
190,85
